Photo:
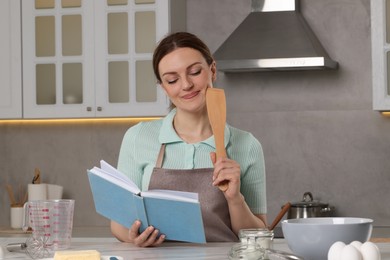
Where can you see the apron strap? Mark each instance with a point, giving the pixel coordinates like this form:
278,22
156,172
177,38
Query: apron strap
160,157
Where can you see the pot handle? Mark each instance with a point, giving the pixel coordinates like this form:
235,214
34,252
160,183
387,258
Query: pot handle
306,195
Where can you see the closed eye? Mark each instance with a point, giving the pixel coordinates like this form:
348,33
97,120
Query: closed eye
195,73
172,81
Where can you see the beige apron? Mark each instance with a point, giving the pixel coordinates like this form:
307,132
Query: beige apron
215,211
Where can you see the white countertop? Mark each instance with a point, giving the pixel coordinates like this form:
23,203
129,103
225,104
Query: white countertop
100,239
111,247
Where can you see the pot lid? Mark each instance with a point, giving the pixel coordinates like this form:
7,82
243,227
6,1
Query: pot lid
308,202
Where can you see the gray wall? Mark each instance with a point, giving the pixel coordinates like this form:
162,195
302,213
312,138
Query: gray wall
318,130
63,152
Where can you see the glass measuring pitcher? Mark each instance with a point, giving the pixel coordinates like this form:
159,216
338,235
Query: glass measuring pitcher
51,222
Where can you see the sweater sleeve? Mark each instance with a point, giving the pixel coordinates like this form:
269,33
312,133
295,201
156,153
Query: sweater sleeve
127,161
253,181
248,152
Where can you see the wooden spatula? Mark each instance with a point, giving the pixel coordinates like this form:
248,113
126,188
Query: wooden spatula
216,109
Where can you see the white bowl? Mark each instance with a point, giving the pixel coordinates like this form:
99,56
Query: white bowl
311,238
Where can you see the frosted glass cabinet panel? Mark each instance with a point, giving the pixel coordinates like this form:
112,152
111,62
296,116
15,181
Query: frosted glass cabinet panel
146,84
71,3
45,36
144,1
84,58
116,2
44,4
71,35
72,82
117,30
11,60
380,35
387,26
388,73
46,84
145,32
118,82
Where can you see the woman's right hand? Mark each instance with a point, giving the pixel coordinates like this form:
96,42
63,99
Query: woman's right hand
150,237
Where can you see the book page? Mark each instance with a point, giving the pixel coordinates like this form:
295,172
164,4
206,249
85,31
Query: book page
172,195
127,185
111,174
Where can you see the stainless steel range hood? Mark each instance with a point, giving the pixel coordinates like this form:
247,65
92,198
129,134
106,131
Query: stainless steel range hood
274,36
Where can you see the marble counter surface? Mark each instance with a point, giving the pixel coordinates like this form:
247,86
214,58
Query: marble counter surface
104,231
111,247
99,238
169,250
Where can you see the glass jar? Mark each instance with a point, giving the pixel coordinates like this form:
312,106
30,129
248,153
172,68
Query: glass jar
246,251
261,236
253,244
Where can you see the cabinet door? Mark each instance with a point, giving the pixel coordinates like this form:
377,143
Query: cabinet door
58,62
380,35
10,60
85,58
126,34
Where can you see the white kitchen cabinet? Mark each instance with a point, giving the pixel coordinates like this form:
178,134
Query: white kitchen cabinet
92,58
10,60
380,35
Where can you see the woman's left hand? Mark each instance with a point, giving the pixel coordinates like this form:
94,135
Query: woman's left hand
227,170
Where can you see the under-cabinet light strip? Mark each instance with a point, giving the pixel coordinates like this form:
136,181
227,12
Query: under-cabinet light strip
78,120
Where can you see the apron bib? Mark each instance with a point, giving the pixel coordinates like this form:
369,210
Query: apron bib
215,211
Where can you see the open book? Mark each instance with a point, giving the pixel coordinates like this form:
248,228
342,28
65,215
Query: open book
176,214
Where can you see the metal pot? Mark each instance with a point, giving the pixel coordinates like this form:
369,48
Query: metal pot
309,208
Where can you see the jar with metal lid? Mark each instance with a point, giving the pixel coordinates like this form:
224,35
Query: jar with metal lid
260,236
246,251
253,244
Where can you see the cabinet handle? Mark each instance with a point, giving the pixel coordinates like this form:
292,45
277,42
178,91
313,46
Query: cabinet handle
99,108
89,109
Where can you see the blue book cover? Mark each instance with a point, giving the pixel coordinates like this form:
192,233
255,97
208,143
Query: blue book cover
175,214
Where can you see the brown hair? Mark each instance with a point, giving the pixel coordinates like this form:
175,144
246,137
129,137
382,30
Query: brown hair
179,40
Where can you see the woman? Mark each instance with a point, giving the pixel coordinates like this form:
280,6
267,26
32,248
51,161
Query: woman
178,151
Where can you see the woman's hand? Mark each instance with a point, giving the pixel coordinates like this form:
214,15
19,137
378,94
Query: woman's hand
227,170
241,216
148,238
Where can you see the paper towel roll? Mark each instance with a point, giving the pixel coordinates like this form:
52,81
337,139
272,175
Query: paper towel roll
37,191
54,192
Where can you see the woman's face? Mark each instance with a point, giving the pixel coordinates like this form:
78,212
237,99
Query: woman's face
185,76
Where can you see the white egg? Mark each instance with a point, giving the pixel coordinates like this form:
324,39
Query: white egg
357,244
334,252
349,252
2,252
370,251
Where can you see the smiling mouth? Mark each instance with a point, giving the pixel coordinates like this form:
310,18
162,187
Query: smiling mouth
191,95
